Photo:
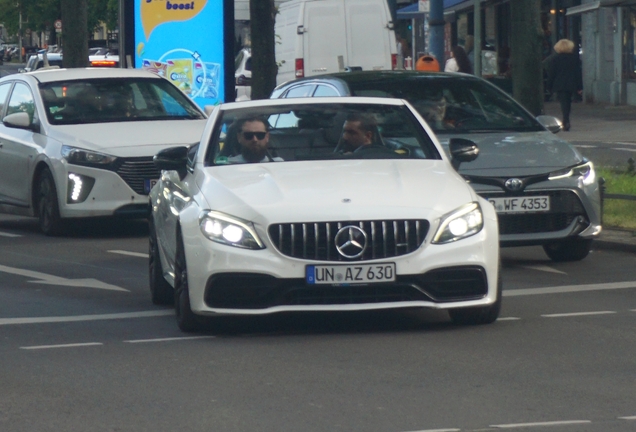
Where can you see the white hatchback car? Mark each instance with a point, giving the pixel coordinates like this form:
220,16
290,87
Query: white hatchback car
330,204
79,142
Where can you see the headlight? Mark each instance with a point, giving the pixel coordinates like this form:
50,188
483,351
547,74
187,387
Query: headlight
585,172
228,230
458,224
77,156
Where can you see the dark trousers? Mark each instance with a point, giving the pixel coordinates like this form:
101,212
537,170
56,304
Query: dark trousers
565,99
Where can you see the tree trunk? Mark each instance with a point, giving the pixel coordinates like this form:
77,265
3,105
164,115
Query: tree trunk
264,69
525,58
75,33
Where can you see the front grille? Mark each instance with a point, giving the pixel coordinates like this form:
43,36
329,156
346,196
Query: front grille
315,241
135,171
565,207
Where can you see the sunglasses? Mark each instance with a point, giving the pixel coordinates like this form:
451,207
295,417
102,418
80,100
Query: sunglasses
250,135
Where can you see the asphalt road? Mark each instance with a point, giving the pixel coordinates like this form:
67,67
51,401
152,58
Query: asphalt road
83,349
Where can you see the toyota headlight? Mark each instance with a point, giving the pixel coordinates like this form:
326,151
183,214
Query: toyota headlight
460,223
585,172
78,156
229,230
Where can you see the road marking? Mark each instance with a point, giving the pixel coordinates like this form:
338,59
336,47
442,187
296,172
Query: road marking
628,418
43,278
544,268
624,143
438,430
135,254
574,314
37,347
625,149
585,146
168,339
508,319
569,289
63,319
5,234
540,424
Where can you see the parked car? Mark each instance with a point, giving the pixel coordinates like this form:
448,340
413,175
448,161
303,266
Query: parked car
316,226
243,74
79,142
545,192
36,61
104,57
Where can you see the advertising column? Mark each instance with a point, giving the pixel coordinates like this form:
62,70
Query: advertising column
183,41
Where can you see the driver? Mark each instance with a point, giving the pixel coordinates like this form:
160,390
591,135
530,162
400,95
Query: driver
433,109
359,130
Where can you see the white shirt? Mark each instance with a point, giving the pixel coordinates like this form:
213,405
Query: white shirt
451,65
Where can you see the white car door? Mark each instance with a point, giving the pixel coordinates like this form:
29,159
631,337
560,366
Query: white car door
19,149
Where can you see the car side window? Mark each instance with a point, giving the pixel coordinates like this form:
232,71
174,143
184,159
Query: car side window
300,91
21,100
4,91
325,91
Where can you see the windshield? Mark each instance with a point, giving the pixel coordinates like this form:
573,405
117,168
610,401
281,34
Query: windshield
297,132
115,100
454,105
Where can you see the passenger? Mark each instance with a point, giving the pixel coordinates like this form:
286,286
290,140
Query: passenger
253,140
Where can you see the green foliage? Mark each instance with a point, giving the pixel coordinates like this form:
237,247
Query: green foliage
619,213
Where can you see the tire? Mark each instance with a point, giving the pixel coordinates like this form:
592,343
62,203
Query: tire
161,292
47,206
478,315
568,250
186,319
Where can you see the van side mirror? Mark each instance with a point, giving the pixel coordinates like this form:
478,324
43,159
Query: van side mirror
462,150
172,159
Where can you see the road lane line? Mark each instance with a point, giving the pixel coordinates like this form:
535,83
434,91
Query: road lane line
508,319
5,234
63,319
569,289
134,254
540,424
438,430
544,268
43,278
574,314
74,345
168,339
628,418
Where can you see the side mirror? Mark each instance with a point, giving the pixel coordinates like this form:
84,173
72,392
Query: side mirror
20,120
550,123
462,150
21,70
173,159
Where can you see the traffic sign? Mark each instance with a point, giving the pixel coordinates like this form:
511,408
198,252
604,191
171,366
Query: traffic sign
58,24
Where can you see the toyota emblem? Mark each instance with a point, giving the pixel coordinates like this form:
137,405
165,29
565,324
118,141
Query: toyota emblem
351,241
514,184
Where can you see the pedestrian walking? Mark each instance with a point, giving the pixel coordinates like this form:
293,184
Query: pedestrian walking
564,77
458,62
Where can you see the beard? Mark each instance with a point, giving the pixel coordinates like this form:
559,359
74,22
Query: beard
253,154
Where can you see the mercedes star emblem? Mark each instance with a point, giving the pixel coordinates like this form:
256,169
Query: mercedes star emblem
351,241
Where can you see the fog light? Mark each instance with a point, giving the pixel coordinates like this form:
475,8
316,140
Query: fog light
79,187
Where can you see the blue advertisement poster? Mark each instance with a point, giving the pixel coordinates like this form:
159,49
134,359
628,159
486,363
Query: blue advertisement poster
182,40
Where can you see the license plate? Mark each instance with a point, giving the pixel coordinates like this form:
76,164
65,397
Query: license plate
149,183
532,204
350,274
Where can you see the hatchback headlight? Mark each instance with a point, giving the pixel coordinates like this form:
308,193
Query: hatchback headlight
229,230
78,156
460,223
585,172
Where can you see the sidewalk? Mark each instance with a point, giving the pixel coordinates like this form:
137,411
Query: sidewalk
597,122
600,123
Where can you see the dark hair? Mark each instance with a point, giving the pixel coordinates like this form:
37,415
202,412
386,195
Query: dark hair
463,63
239,123
367,122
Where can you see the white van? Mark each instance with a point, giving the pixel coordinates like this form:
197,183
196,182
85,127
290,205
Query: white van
326,36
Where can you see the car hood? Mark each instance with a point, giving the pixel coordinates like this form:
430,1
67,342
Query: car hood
130,139
516,153
335,190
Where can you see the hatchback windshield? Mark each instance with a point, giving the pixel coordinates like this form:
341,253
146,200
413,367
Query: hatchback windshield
319,132
454,105
115,100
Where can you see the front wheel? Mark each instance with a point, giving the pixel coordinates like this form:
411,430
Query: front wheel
186,319
47,205
568,250
478,315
